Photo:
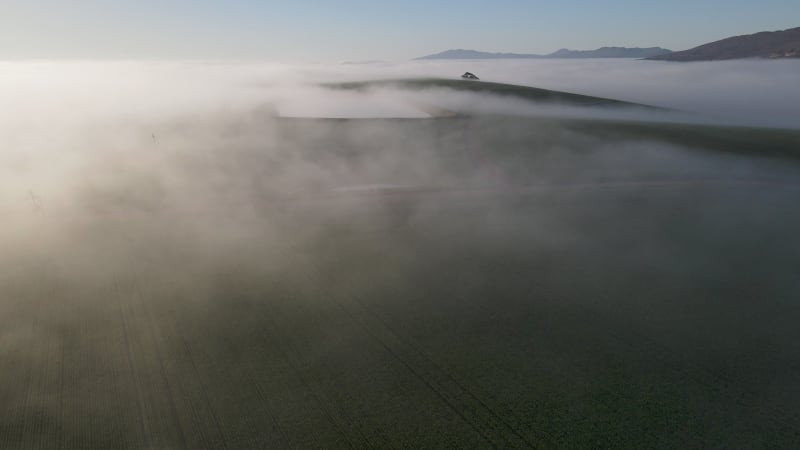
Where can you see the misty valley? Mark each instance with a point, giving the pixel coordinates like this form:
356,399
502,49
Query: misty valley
212,257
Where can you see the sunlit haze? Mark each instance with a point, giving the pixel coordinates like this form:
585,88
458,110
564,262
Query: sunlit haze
246,225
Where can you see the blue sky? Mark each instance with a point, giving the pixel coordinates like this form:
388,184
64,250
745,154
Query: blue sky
304,31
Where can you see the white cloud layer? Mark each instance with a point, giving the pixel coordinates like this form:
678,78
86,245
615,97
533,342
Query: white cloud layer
759,93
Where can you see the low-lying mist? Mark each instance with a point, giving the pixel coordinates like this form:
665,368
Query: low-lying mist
138,196
743,92
123,158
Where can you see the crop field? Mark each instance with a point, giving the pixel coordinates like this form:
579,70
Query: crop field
484,87
464,282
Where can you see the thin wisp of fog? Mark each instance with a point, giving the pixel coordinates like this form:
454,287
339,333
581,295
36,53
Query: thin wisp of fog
204,255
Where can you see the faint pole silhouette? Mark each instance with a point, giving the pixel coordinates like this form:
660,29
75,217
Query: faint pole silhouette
35,201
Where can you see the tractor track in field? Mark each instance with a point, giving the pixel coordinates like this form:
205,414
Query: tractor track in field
475,411
206,398
463,401
385,441
340,422
636,342
249,377
140,401
548,440
325,404
640,344
28,423
449,391
159,354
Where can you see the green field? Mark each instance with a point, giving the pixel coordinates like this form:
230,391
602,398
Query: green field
524,283
488,88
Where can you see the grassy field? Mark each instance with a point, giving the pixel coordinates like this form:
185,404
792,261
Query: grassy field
537,284
487,87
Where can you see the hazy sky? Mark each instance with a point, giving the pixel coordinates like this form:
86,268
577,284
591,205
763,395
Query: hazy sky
359,29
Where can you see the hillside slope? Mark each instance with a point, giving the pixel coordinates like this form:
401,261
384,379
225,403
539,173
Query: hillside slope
501,89
767,44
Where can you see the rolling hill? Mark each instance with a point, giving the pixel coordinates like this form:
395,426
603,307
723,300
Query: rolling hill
485,87
767,44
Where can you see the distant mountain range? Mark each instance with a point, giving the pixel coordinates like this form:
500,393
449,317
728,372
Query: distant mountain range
610,52
767,44
603,52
